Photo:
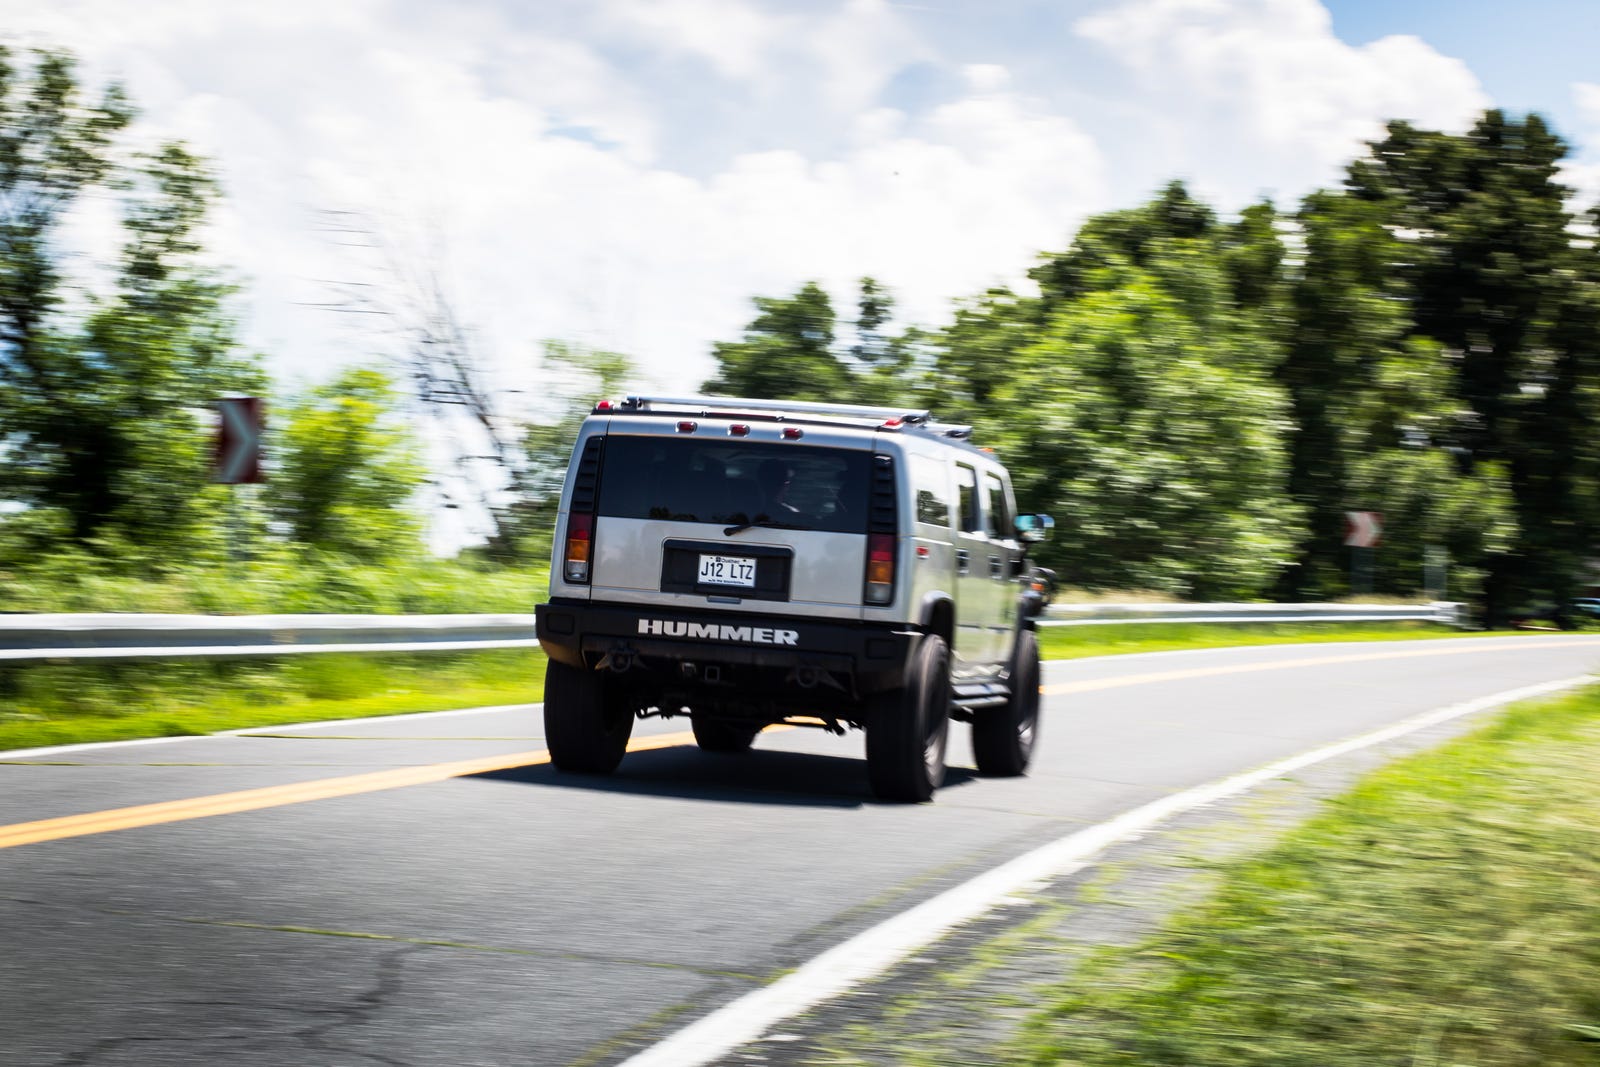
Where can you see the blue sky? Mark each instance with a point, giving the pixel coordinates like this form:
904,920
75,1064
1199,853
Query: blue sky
628,173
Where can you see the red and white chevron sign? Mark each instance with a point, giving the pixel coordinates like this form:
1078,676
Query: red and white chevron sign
237,455
1363,529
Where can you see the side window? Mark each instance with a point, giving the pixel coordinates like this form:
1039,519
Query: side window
931,481
967,492
999,515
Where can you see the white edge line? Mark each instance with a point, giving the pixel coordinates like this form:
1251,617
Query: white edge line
875,950
1286,649
86,746
175,652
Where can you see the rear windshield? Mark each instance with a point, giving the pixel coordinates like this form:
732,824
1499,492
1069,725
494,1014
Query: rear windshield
732,483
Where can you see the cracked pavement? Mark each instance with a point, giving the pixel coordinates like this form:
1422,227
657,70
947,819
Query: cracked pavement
525,917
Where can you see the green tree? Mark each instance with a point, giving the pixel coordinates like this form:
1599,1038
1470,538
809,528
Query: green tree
1493,276
53,146
347,470
1133,398
98,415
574,377
787,352
1143,416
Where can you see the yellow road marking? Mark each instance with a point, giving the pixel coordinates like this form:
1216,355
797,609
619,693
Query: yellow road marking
1121,680
273,796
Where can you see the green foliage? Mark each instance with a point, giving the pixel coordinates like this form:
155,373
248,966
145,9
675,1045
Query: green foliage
99,421
1133,400
47,704
1445,911
347,470
278,578
1490,271
787,352
1376,413
574,377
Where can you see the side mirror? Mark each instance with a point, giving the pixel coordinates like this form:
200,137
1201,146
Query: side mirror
1034,527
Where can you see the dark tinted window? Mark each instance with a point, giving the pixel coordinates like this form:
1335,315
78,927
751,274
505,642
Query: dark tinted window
999,519
731,482
932,483
967,491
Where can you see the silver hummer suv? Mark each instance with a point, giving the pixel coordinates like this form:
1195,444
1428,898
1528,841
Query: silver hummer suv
751,562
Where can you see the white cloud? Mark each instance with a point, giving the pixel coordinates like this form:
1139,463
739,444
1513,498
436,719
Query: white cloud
453,136
1582,169
733,36
1268,81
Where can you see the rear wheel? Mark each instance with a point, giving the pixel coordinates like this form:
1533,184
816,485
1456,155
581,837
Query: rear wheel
714,735
585,724
910,727
1003,737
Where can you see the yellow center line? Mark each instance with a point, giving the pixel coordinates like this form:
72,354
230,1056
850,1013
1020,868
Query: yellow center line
273,796
1121,680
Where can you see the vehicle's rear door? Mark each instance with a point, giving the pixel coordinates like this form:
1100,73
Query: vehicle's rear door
749,523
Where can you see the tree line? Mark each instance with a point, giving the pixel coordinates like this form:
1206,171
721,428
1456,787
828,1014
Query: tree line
1197,399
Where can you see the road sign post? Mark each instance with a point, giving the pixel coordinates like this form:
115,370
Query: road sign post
1363,531
236,460
236,456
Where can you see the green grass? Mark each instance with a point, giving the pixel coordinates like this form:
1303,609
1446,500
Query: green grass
1074,642
59,703
1446,911
47,704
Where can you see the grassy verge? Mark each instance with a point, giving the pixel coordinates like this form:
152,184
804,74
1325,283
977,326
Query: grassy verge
1073,642
50,704
47,704
1446,911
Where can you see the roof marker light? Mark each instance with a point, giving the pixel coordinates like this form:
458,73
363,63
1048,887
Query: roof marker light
688,426
892,424
739,429
792,433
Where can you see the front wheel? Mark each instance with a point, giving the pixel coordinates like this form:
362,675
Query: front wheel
1003,737
585,725
909,728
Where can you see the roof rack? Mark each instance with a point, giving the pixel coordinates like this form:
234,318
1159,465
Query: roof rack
710,405
731,407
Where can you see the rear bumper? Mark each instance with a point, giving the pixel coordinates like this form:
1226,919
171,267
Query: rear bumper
584,634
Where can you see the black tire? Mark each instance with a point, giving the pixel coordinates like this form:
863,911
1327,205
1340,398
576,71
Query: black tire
714,735
909,729
1003,738
585,725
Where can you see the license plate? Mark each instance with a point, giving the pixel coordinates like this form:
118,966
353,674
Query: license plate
727,570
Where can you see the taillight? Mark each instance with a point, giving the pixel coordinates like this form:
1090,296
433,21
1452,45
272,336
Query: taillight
882,530
880,568
580,540
579,553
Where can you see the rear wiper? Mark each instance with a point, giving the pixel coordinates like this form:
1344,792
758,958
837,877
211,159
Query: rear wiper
765,523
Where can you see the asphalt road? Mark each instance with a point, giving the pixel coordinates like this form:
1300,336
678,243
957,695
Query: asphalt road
520,916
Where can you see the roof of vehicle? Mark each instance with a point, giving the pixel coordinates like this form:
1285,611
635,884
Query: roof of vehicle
856,416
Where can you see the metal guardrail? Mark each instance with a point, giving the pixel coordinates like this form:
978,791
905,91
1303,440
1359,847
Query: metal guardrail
25,638
133,636
1445,612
